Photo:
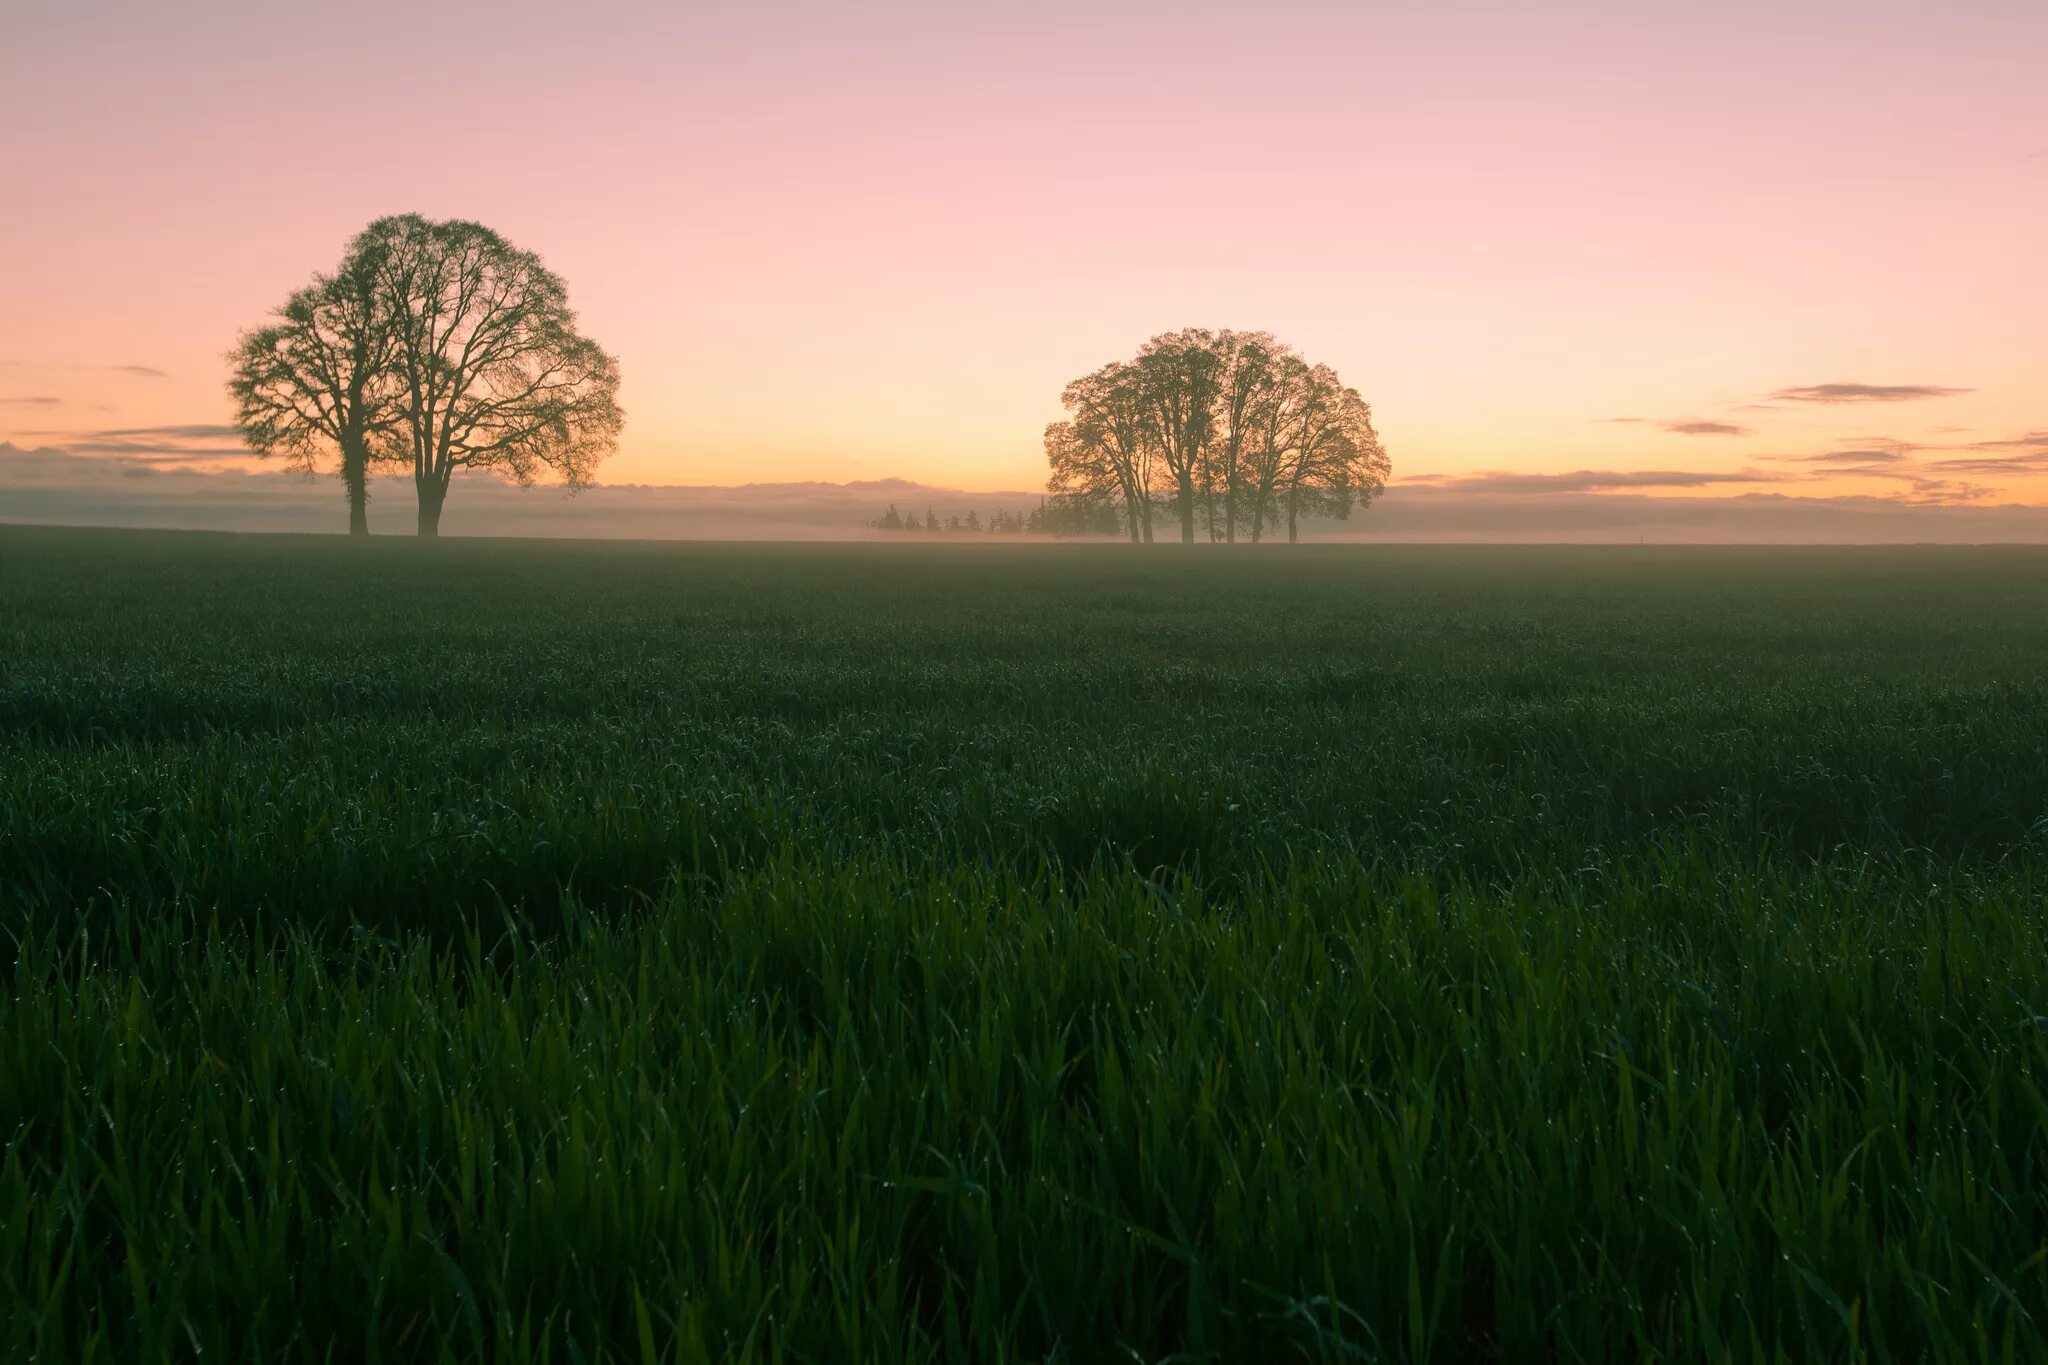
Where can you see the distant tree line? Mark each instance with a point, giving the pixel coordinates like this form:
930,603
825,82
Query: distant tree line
433,347
1230,433
1055,515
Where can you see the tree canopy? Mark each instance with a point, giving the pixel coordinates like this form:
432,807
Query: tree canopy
491,370
437,346
319,381
1231,432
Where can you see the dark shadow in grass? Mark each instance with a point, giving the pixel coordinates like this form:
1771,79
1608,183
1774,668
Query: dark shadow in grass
442,890
1167,830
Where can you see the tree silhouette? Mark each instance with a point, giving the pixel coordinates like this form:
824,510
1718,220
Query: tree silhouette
438,345
1248,391
318,379
1232,429
1177,376
490,370
1335,460
1105,451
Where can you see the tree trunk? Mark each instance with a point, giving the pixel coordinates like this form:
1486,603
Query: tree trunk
432,494
1131,516
1187,511
355,476
1293,511
1262,503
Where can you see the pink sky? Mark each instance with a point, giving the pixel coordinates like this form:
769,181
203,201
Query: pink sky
844,242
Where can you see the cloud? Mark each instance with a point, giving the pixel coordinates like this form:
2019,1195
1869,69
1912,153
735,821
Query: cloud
2033,440
160,450
1685,428
1884,457
131,450
1865,393
37,401
146,371
1878,469
2008,466
1586,480
1888,453
192,441
197,431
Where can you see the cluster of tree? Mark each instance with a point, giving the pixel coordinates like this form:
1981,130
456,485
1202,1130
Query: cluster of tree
433,346
1058,515
1232,432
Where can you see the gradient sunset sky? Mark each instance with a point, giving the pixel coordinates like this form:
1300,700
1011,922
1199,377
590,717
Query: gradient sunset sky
1701,248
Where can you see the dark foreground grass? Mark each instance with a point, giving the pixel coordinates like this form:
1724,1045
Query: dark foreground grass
577,952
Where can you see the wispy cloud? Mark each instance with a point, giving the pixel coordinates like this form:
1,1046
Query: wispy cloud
160,450
2007,466
1875,455
194,431
2033,440
1922,475
1686,427
1930,474
151,455
1589,480
1865,393
167,443
36,401
1876,470
145,371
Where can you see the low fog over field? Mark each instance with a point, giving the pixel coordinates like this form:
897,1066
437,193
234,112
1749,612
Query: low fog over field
53,485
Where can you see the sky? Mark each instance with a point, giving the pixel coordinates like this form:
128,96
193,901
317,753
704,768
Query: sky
1566,250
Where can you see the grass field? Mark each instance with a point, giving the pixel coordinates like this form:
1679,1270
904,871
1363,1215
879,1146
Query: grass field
578,952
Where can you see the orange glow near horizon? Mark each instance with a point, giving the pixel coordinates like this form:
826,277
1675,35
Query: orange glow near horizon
829,245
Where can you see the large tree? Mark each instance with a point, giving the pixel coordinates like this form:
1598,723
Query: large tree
1177,381
1336,461
1249,374
1275,426
1105,452
1233,429
317,381
490,370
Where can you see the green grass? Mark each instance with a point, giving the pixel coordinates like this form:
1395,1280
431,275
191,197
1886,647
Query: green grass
576,952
